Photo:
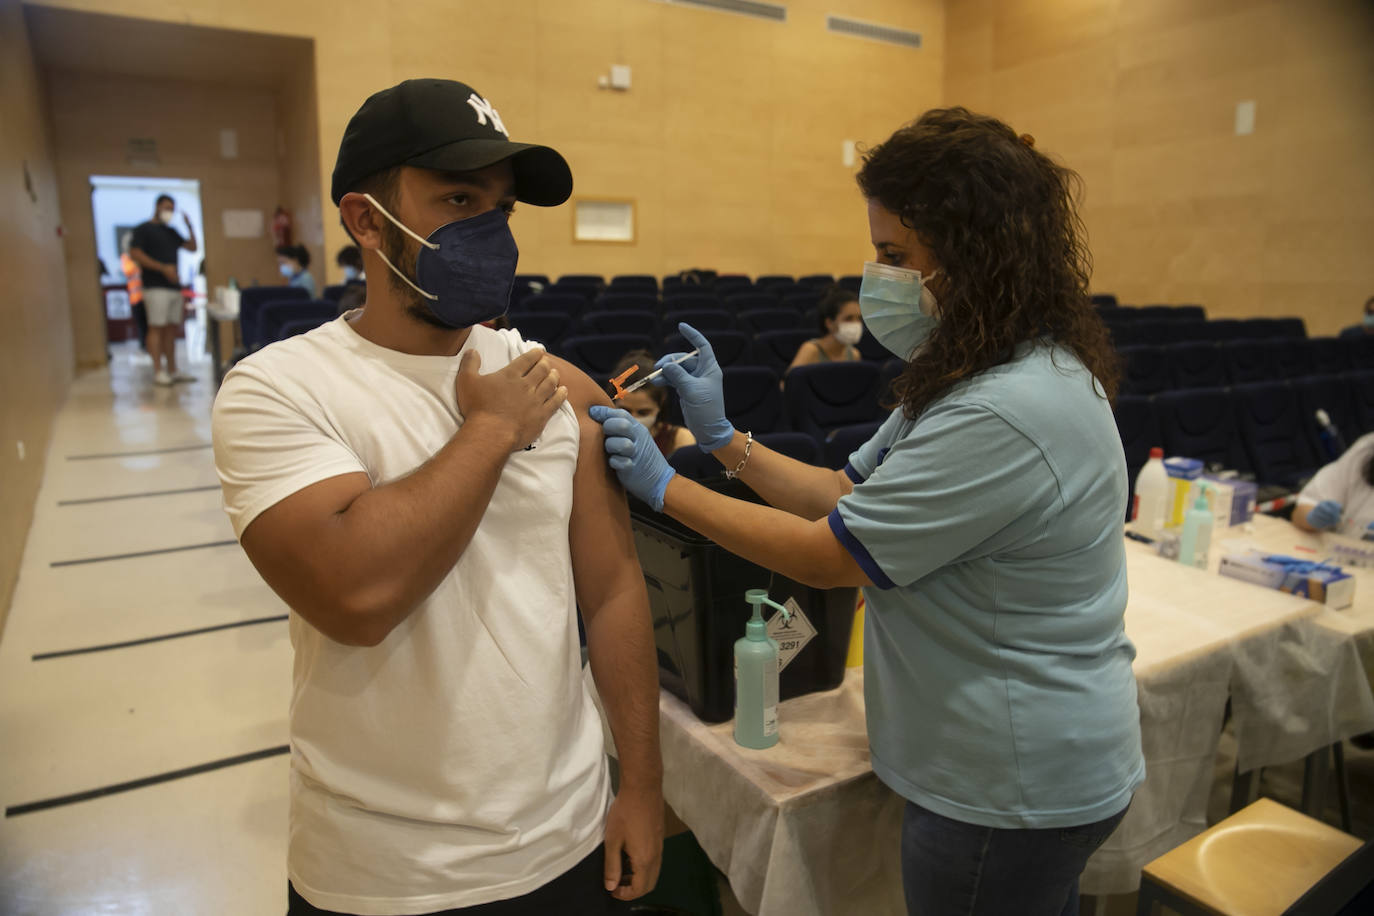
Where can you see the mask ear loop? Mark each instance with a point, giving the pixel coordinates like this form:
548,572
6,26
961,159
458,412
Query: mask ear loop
404,228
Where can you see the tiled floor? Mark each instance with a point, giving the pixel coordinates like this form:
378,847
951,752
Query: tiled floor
129,471
85,721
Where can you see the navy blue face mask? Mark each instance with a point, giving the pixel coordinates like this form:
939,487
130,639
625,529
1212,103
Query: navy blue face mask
465,269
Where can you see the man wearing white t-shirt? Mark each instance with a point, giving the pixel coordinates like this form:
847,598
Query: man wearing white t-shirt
430,499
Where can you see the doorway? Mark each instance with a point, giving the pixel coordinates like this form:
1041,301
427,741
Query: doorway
118,205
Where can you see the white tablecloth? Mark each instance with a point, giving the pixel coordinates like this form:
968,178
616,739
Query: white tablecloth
806,829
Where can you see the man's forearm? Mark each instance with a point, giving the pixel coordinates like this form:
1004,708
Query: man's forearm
620,649
147,263
395,543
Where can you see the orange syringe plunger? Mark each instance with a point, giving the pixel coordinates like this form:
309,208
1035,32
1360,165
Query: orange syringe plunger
619,380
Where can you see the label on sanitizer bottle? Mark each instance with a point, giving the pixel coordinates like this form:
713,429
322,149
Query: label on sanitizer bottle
770,703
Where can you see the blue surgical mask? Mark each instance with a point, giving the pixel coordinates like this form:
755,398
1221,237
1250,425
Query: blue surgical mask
1369,319
897,307
350,274
286,271
465,269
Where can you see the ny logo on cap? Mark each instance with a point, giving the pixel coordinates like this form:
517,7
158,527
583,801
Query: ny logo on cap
484,111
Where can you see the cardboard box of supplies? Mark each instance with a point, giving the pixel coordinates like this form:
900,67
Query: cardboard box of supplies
1315,581
1232,501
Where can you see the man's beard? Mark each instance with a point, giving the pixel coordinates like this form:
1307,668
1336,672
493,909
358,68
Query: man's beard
401,250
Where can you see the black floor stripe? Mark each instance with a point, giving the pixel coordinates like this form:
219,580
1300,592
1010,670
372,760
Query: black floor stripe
63,653
147,451
59,801
106,499
141,553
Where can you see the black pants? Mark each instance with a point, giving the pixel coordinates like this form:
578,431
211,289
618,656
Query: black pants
580,891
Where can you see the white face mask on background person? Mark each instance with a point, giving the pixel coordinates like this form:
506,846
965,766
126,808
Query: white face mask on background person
166,216
849,333
898,307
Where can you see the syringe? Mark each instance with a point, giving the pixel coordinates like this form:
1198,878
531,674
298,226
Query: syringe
621,392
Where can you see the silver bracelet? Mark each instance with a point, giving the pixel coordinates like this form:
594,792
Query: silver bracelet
748,447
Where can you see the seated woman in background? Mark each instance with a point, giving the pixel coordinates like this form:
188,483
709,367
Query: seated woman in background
647,404
1341,497
841,327
292,261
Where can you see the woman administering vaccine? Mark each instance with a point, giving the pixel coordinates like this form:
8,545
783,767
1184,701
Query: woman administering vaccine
983,521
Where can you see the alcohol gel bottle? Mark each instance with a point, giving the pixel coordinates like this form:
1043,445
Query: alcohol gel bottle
1151,506
756,678
1196,541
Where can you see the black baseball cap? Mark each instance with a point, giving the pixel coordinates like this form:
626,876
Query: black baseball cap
446,125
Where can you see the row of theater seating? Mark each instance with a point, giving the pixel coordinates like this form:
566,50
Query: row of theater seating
1206,364
1268,429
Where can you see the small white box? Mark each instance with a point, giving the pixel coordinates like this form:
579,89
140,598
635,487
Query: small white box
620,77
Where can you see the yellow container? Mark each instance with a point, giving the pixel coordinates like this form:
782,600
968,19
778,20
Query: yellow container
855,658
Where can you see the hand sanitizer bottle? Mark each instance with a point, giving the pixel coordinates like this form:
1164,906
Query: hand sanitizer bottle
1196,541
756,678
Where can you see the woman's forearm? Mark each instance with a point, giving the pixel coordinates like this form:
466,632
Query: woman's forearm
790,485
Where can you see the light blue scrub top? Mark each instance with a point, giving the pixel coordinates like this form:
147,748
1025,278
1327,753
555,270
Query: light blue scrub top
997,672
305,281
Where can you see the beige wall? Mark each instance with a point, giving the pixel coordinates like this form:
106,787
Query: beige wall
93,117
298,158
729,142
1139,96
36,347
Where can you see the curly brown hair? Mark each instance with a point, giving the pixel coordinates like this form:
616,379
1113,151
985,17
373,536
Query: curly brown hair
1001,220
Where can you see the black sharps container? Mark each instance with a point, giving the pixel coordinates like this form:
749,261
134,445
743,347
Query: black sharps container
696,595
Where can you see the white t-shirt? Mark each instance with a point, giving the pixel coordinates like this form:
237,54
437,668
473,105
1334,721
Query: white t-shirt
461,760
1343,480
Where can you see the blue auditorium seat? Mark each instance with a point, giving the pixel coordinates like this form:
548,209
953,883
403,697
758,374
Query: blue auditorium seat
1361,386
300,326
1289,327
1157,313
731,283
334,292
1137,423
274,316
1125,334
851,282
252,299
871,350
1201,423
755,321
693,300
752,399
695,464
1272,431
632,282
821,280
625,321
797,446
888,371
1106,299
1361,350
1292,356
771,280
1152,332
592,280
1196,364
823,396
1146,370
801,298
845,440
732,348
776,349
563,303
614,300
1225,329
1331,393
1183,330
703,320
1330,355
749,301
1190,313
547,328
541,279
1247,361
597,354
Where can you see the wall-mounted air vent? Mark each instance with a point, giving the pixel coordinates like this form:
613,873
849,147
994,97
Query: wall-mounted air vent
774,12
874,32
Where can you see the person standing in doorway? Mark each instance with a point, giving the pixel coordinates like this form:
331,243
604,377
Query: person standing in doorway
154,248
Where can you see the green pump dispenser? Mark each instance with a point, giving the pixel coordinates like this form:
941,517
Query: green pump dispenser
756,678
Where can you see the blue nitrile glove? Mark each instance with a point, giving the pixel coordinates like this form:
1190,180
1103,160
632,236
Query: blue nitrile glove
1325,514
641,467
698,384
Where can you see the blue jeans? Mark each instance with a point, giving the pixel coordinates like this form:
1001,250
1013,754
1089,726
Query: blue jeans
950,868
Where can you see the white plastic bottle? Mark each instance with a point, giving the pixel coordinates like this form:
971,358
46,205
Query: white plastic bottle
1151,504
